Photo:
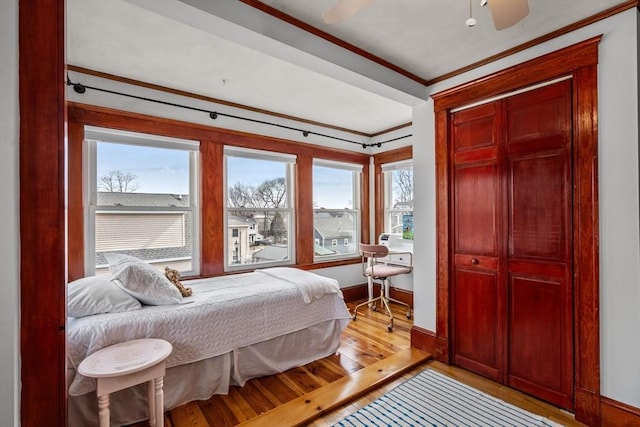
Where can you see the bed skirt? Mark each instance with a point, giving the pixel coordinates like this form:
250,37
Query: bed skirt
203,379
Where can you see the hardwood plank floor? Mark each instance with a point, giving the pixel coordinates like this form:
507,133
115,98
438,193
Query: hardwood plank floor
370,362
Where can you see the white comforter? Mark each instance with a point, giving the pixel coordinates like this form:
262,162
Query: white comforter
223,314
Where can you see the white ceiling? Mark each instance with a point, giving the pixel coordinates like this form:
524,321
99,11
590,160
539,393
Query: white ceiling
228,50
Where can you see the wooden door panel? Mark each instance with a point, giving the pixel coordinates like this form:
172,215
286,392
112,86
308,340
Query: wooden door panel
539,198
539,114
538,340
539,256
474,128
476,210
477,314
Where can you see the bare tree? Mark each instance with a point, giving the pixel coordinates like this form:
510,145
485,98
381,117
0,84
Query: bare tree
403,186
118,182
241,195
271,193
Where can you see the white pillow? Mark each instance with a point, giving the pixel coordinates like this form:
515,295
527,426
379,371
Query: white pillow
142,281
95,295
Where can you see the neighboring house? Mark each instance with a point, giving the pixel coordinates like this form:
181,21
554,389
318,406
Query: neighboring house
150,235
271,253
334,233
238,244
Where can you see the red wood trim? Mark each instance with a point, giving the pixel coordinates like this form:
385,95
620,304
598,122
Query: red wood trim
539,40
304,206
402,153
43,273
391,129
379,198
396,155
443,234
212,203
117,119
423,339
580,61
618,414
192,95
365,222
212,209
75,221
355,293
586,243
330,38
527,73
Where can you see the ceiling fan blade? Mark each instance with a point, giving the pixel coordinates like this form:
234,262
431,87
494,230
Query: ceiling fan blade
342,10
508,12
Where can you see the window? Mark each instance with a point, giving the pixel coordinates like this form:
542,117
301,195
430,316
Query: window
398,185
142,198
259,205
336,213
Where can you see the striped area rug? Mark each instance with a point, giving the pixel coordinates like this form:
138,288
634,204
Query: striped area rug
433,399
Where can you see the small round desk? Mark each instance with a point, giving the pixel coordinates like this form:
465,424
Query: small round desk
124,365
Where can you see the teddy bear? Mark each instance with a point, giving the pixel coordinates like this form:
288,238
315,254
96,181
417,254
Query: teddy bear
174,277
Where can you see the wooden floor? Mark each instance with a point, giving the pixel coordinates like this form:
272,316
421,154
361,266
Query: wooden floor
370,362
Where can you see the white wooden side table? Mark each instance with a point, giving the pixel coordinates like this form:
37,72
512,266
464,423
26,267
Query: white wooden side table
127,364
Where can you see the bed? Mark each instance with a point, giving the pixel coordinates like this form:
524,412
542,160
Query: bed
231,329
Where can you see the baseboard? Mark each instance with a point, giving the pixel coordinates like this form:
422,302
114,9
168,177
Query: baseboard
360,293
423,339
354,293
614,413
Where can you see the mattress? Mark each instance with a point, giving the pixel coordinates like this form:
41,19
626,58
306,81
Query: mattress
223,314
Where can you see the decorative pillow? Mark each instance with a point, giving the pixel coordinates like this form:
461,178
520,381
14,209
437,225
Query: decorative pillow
95,295
142,281
174,277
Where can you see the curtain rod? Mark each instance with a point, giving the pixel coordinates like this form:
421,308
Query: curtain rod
81,88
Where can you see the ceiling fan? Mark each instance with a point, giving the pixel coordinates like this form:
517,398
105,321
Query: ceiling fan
505,12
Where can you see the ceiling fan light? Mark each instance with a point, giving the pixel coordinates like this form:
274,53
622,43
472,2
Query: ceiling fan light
343,10
471,22
507,13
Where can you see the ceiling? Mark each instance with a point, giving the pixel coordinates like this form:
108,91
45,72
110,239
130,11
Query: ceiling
232,51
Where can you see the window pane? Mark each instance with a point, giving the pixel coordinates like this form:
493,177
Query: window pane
335,219
258,206
402,189
262,237
399,201
143,205
157,176
334,232
255,183
332,188
158,238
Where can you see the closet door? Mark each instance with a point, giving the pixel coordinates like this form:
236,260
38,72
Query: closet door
512,287
539,259
478,295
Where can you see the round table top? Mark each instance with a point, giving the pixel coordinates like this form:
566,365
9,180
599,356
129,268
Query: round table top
125,358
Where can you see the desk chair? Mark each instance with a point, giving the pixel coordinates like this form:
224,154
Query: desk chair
374,267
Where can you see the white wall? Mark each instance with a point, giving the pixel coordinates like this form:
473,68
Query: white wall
9,191
618,192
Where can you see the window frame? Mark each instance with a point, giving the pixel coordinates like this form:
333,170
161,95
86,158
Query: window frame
93,135
289,210
356,210
387,174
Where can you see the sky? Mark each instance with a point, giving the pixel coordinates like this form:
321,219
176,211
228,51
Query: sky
160,170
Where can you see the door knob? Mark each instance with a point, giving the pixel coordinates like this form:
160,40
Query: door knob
475,261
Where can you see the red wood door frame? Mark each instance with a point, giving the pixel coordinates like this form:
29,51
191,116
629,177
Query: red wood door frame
578,61
42,213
